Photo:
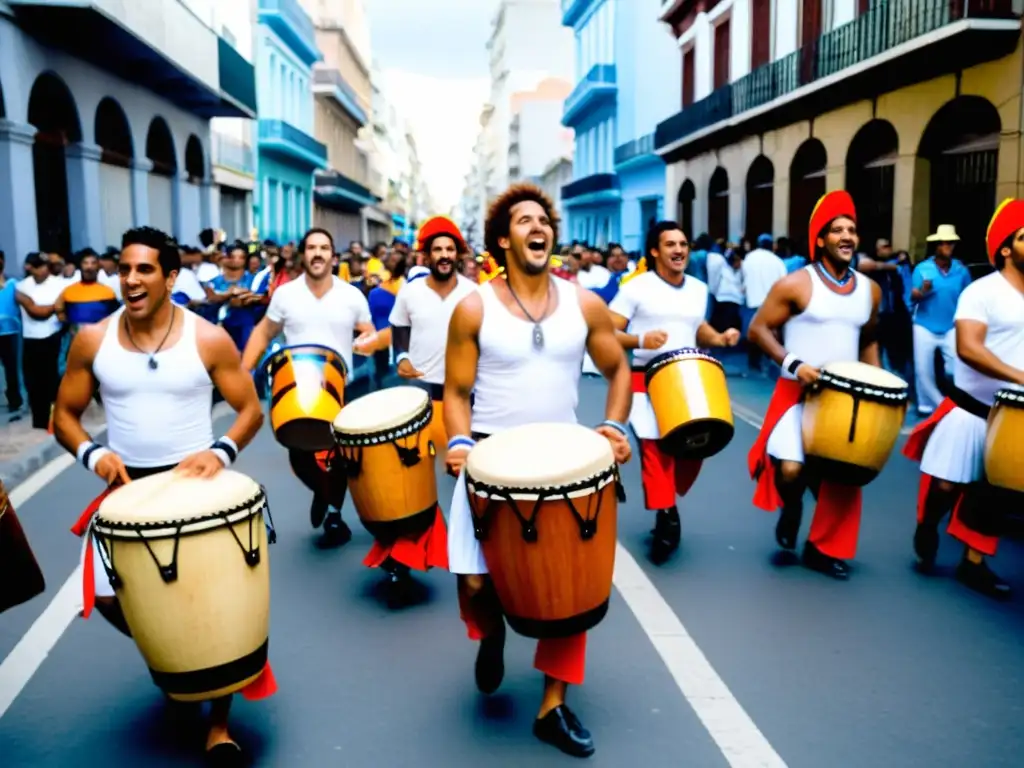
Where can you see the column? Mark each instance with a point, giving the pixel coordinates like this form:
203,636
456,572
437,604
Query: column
84,211
181,226
19,231
209,210
141,167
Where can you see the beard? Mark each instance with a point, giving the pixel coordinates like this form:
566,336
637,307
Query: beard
442,276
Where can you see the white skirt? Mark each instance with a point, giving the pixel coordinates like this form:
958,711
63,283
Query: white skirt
786,442
465,555
956,448
642,419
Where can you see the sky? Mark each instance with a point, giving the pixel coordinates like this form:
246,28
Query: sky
434,61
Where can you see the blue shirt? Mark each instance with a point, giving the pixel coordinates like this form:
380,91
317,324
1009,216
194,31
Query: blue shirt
381,302
936,309
10,312
236,316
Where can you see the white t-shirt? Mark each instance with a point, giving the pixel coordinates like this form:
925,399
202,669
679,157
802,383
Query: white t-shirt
44,294
761,270
113,282
207,272
594,278
730,285
651,304
993,301
329,321
188,284
419,308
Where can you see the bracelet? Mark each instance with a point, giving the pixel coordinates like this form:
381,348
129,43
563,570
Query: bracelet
461,441
615,425
226,450
791,363
400,357
90,453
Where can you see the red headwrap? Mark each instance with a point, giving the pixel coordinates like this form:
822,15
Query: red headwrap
1008,218
831,206
440,225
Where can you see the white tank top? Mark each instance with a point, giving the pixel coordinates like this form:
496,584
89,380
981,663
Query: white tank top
516,383
828,331
155,418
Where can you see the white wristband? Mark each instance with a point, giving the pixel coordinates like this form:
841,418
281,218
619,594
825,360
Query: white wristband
788,361
640,341
223,456
402,356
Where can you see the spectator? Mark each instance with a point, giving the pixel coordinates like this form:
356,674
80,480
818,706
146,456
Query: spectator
36,295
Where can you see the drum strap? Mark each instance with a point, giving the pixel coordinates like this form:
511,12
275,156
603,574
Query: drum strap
352,456
968,403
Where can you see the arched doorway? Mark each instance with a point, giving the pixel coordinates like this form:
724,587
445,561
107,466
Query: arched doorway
760,197
114,138
870,180
195,173
961,146
806,186
52,111
718,204
160,152
684,207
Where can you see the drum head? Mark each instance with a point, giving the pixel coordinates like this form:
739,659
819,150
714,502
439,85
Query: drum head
382,410
169,497
862,373
1011,396
537,456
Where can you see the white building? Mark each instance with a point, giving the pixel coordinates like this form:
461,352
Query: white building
536,134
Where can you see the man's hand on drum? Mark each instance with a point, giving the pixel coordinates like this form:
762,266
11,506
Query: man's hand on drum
807,374
455,460
653,340
407,370
111,469
621,448
202,464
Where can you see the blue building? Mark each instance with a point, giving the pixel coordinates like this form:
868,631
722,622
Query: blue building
647,68
288,154
592,200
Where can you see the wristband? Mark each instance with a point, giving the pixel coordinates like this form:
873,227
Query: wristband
400,357
791,363
226,450
616,426
640,341
461,441
90,453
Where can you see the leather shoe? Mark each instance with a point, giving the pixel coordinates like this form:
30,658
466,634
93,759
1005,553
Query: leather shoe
490,661
818,561
562,729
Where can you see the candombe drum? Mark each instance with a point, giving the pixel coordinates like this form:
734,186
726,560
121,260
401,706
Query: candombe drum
20,577
384,441
690,400
187,558
307,390
1004,443
851,421
544,500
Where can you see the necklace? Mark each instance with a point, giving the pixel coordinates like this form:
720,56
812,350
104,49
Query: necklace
153,365
538,332
839,282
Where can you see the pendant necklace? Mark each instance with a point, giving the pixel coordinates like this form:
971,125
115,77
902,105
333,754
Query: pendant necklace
153,365
538,332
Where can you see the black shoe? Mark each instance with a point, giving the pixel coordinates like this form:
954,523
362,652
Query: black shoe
667,534
561,728
397,572
788,528
926,545
225,755
318,511
818,561
336,532
980,578
490,661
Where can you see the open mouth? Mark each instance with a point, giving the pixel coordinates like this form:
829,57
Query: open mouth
135,298
445,264
846,249
537,245
677,260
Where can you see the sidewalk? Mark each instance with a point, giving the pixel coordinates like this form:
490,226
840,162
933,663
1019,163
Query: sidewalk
24,450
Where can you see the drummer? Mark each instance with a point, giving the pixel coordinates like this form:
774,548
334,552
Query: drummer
317,308
664,310
951,443
156,366
517,345
826,312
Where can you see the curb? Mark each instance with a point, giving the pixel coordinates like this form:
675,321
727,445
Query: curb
14,472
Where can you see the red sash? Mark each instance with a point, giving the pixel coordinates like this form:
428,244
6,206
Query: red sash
429,550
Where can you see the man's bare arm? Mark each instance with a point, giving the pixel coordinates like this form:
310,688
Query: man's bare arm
232,381
461,357
264,333
77,387
606,352
970,347
785,300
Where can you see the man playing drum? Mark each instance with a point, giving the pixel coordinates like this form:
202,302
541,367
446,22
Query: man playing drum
663,310
826,312
320,309
517,346
951,443
156,365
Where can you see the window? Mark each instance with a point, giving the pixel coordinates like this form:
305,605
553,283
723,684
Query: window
689,60
723,50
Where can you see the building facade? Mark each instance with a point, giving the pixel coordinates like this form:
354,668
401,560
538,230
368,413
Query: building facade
915,108
551,180
288,154
592,200
102,129
536,134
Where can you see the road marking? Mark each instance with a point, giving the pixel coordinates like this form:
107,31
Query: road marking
748,415
31,651
739,739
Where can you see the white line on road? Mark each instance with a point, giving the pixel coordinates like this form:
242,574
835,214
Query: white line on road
741,742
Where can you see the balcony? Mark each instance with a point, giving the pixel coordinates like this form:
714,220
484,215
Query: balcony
635,152
596,188
160,45
327,81
233,154
281,138
899,44
292,24
598,88
336,190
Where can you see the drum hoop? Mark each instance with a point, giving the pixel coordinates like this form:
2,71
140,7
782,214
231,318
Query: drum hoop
276,360
667,358
575,490
169,529
866,391
417,423
1010,397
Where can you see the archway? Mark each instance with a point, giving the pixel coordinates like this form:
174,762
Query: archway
806,186
114,138
3,112
870,180
961,147
52,111
760,197
195,162
684,206
718,204
160,185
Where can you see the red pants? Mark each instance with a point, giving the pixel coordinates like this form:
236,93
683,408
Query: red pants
563,659
664,477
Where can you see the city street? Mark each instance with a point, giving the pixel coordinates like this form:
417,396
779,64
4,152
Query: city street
776,666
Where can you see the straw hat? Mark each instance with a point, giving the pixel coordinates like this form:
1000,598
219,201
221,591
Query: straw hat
944,233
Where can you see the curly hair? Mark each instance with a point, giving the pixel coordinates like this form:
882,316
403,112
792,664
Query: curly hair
499,216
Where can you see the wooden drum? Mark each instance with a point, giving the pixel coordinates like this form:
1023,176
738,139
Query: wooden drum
1004,444
187,558
384,440
690,400
852,419
544,503
307,386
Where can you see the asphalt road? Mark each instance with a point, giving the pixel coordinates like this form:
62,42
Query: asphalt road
887,670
